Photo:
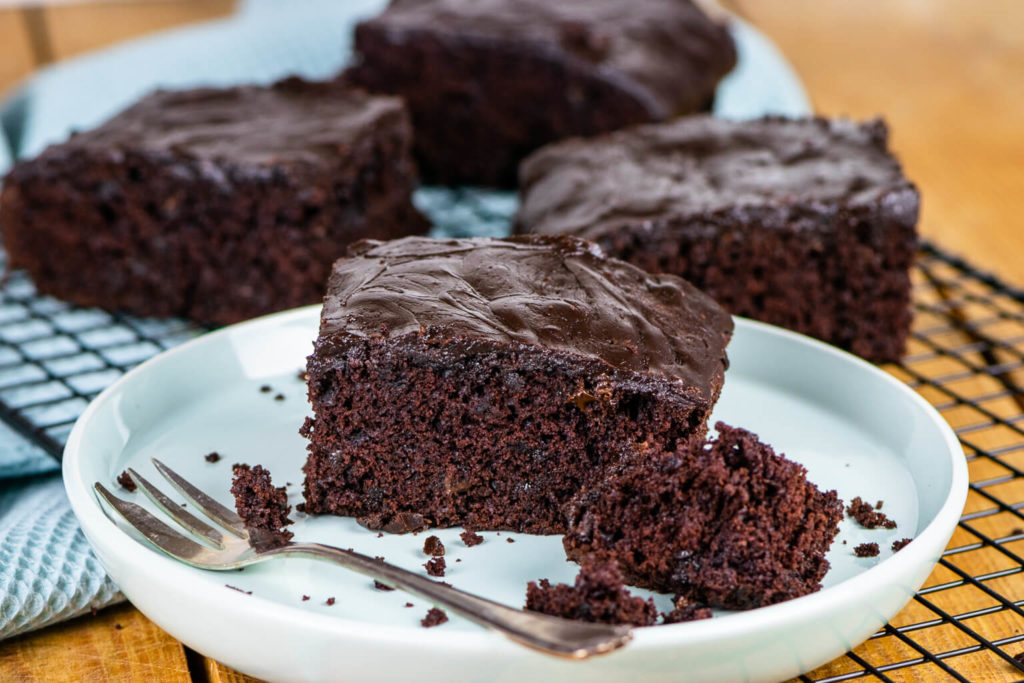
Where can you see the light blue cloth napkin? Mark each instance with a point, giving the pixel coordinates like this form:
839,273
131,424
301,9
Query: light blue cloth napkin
47,572
5,157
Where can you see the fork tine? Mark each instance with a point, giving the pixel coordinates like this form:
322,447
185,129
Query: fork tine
182,517
211,508
159,534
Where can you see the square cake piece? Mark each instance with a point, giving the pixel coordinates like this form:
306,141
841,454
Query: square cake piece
213,204
482,382
489,81
808,224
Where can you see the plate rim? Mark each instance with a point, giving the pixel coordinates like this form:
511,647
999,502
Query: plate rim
936,532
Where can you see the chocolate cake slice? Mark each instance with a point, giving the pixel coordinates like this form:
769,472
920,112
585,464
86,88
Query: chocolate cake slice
488,81
212,204
482,383
808,224
726,524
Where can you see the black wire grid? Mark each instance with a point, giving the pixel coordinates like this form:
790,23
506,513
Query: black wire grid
965,355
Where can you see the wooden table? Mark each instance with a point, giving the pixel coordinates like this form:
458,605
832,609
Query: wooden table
947,74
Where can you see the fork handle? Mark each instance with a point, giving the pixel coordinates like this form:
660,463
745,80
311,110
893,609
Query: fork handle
572,639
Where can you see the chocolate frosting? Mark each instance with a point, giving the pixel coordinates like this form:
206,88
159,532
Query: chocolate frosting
554,293
666,53
702,165
293,123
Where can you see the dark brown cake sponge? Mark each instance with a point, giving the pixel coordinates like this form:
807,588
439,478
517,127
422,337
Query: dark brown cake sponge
867,516
264,508
598,595
480,382
726,524
435,566
684,610
433,546
126,482
435,617
866,550
471,538
900,544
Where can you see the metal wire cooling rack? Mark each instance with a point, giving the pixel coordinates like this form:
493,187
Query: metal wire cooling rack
965,356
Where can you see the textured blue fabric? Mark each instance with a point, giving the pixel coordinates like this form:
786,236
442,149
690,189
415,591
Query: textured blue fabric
5,157
47,572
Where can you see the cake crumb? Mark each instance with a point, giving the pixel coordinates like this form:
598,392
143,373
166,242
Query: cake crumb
510,539
686,611
305,598
398,523
900,544
279,397
301,376
265,389
263,507
380,534
866,516
236,588
435,617
598,595
381,586
471,538
212,457
126,482
435,566
433,546
330,602
409,604
878,505
866,550
458,559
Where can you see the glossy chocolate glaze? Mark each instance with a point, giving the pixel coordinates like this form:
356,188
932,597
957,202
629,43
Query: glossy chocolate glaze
666,53
699,166
558,294
292,124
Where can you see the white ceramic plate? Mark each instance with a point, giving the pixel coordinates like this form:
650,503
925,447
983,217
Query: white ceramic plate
855,428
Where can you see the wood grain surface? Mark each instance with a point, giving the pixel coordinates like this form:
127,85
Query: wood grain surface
117,644
948,75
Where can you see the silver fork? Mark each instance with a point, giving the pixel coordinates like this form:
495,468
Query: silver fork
237,548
